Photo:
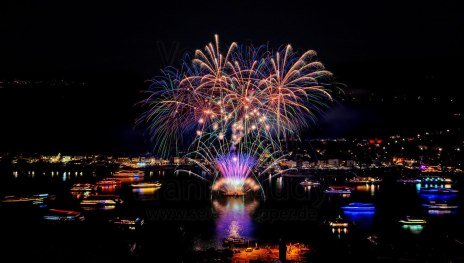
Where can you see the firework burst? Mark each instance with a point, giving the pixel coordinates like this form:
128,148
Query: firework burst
232,109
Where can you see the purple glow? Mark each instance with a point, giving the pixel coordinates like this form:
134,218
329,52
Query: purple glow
235,169
235,218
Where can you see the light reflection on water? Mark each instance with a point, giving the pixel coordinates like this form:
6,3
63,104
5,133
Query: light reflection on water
144,194
414,229
363,219
435,185
108,188
234,217
368,188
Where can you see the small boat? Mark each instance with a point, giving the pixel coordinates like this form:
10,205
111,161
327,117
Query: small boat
57,215
109,182
129,223
439,206
33,199
438,191
365,180
338,190
359,207
129,173
308,182
101,201
412,221
409,180
83,188
338,223
435,179
146,185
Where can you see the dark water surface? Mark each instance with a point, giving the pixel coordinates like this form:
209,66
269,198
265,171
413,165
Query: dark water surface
181,219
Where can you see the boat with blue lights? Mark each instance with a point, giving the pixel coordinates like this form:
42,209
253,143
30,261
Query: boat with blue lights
438,191
359,207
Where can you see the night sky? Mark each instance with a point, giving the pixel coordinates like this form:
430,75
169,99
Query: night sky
386,47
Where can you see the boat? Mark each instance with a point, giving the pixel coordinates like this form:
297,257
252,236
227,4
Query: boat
365,180
109,182
439,206
83,188
359,207
37,199
435,179
146,185
338,223
101,201
438,191
58,215
308,182
129,173
338,190
129,223
406,180
412,221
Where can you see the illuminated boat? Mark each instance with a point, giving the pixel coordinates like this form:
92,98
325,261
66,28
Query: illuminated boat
109,182
83,188
359,207
338,223
146,185
57,215
37,199
365,180
435,179
308,182
436,191
409,180
439,206
338,190
129,173
129,223
412,221
101,201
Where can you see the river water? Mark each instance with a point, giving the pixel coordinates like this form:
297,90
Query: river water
181,220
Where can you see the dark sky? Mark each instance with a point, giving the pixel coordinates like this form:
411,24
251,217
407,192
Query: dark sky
397,46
